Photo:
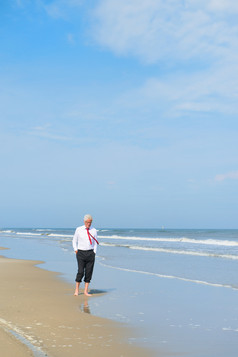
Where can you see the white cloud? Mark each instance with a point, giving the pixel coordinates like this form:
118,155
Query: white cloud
112,185
42,128
171,31
55,8
209,91
22,3
229,175
46,132
70,38
229,6
158,29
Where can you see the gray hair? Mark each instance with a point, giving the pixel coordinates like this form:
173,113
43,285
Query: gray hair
88,217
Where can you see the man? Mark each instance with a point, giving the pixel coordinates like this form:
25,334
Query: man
85,246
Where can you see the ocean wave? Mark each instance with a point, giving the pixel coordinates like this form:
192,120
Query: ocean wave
230,329
7,231
217,242
28,234
44,230
174,251
60,235
202,282
43,233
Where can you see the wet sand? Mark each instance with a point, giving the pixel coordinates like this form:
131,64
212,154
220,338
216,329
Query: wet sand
39,308
10,346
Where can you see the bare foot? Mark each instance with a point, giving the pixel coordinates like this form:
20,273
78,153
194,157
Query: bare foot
87,294
76,293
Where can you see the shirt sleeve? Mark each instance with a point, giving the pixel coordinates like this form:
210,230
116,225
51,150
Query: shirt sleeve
75,240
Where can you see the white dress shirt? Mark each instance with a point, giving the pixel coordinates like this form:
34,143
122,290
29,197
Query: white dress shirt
81,240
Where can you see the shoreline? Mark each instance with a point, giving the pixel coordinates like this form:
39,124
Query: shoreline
141,291
39,307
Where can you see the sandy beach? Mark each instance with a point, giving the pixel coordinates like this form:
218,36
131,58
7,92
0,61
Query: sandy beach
40,309
177,298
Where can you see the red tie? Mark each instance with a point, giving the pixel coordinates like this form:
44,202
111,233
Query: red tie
89,237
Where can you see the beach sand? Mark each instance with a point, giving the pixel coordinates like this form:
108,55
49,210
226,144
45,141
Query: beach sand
10,346
39,307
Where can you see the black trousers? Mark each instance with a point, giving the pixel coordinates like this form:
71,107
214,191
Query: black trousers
85,259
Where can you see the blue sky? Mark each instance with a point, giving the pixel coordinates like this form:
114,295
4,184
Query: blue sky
123,109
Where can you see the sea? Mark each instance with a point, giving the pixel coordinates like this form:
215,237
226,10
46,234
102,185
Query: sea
176,288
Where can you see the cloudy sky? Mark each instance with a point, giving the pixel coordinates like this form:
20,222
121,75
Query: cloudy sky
125,109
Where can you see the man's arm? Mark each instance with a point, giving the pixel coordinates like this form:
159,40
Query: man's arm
95,243
75,241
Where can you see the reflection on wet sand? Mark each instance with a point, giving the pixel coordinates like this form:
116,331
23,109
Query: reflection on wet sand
85,307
